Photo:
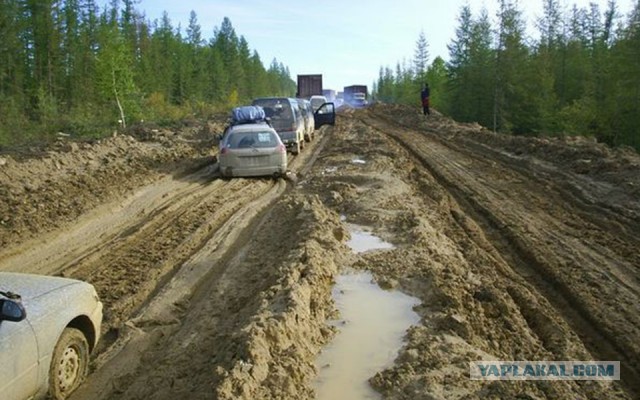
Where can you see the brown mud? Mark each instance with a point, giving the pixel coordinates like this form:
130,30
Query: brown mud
518,249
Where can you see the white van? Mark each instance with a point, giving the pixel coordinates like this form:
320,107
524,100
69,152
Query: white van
286,118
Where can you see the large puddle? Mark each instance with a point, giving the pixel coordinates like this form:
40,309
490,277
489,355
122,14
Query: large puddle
371,329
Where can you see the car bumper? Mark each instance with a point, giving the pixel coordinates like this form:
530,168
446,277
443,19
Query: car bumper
96,318
255,171
289,138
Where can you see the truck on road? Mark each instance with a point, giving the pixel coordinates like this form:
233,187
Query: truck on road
356,95
330,94
309,85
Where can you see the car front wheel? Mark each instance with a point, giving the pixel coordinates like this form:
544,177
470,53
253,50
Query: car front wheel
69,364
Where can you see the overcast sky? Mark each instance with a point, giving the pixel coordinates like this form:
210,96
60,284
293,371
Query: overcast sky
345,40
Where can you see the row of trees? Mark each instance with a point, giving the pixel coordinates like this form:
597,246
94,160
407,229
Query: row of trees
68,65
582,76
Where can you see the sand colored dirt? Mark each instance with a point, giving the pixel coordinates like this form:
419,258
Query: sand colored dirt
518,249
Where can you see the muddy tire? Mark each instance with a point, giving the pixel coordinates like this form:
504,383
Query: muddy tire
296,149
307,137
69,364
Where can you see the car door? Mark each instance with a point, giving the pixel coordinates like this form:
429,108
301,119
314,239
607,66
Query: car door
298,121
325,115
18,360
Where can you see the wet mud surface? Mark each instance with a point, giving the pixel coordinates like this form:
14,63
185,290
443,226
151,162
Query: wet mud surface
516,249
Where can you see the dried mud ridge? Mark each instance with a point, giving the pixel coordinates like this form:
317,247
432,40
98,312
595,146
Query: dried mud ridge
518,248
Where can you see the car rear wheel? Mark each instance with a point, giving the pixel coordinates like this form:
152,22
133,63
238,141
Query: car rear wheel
296,148
69,364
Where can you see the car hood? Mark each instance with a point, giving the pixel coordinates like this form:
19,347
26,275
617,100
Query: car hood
30,286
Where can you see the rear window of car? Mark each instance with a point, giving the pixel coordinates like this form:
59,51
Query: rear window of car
276,109
279,111
244,140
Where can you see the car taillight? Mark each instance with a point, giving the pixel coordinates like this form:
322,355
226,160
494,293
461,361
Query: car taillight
294,127
282,148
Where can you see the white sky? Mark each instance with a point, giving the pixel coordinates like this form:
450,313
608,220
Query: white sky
345,40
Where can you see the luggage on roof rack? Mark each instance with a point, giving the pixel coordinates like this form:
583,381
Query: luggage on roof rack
247,115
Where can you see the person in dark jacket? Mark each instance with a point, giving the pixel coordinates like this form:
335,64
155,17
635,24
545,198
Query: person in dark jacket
424,95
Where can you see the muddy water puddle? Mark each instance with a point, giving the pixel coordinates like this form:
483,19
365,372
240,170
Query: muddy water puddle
370,332
363,240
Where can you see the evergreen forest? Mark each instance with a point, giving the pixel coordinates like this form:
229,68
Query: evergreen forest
581,76
74,67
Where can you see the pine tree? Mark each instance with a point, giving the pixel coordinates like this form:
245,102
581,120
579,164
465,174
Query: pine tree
459,104
480,72
13,71
436,76
514,88
624,102
12,50
421,57
195,60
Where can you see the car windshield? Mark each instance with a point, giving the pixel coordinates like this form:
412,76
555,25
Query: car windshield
316,103
244,140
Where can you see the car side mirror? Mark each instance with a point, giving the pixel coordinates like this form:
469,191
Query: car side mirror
12,311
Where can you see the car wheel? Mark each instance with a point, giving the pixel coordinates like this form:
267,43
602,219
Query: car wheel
69,364
296,149
307,137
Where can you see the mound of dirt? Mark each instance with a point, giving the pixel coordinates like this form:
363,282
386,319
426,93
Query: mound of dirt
45,188
581,155
287,330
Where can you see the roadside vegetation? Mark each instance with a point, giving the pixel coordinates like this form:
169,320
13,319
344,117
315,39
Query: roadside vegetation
581,76
70,66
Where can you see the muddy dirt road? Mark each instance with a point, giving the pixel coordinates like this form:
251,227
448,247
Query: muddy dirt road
517,248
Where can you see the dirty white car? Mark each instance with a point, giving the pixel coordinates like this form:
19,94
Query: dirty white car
253,149
48,328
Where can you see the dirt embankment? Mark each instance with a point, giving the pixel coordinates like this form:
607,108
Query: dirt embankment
43,189
518,248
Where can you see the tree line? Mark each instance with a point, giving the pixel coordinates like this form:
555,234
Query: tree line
71,66
580,77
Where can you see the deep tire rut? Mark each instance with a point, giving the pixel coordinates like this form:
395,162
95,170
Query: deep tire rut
604,339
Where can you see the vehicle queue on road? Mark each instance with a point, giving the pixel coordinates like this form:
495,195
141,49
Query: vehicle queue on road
256,141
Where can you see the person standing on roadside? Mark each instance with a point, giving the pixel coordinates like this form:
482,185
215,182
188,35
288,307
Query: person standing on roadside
424,95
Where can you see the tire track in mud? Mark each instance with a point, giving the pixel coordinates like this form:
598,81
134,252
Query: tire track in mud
227,211
219,347
126,255
616,214
133,267
521,225
100,228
